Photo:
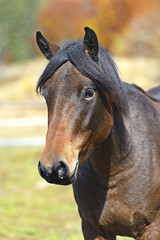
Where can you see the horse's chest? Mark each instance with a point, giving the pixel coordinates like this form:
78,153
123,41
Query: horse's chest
90,200
99,208
115,217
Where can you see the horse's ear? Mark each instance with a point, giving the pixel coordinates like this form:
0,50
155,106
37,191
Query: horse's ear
48,49
90,43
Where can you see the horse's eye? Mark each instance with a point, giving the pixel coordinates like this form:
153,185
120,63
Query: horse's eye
89,94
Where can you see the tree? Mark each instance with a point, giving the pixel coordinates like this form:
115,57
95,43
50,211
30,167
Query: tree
17,24
65,19
111,17
142,37
61,20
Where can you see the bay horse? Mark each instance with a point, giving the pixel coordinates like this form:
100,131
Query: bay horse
103,138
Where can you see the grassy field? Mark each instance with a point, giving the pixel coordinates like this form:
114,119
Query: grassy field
31,209
22,132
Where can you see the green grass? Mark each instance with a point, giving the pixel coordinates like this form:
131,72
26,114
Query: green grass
31,209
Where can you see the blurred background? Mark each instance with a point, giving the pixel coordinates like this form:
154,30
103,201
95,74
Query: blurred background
29,207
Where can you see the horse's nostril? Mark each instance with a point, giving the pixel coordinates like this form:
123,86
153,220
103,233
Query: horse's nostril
62,170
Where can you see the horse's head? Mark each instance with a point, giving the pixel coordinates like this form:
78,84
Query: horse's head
80,114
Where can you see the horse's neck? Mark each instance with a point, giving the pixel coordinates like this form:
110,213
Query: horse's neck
112,155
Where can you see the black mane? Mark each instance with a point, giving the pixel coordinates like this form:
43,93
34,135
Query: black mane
104,74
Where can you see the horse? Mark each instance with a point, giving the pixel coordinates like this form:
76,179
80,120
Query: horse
103,137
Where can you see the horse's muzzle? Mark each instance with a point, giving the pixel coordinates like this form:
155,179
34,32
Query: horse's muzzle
59,174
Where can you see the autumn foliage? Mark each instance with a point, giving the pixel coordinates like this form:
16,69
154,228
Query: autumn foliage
65,19
61,20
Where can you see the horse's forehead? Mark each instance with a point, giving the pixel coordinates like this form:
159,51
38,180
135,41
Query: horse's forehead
68,67
69,72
